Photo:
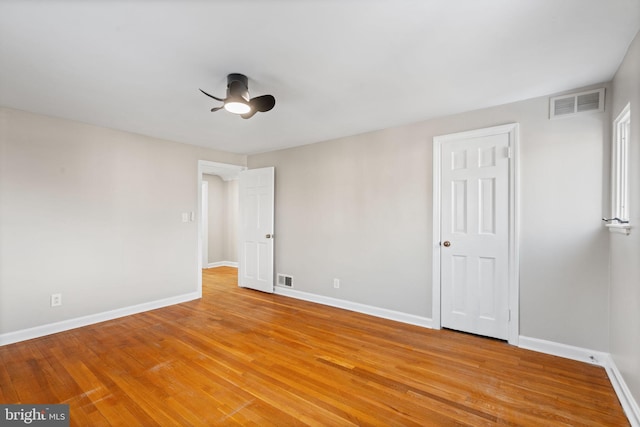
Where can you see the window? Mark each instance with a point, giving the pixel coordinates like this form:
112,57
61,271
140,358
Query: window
620,175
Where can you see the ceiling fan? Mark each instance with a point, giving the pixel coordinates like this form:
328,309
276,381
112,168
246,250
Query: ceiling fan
238,101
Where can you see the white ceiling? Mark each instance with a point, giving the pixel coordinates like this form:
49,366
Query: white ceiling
336,67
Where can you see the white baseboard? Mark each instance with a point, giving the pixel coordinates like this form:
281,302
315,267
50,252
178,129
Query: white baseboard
563,350
222,264
630,406
357,307
65,325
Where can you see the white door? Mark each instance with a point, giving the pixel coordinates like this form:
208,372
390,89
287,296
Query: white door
474,251
255,269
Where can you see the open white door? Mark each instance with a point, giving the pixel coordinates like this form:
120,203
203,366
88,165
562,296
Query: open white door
256,201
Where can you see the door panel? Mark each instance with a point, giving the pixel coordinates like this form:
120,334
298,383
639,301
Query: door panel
486,281
459,283
459,208
487,206
256,207
475,221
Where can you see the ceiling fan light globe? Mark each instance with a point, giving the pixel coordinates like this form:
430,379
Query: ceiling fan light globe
237,107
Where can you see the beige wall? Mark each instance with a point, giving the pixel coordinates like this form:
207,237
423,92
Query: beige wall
223,223
94,214
359,209
217,218
625,250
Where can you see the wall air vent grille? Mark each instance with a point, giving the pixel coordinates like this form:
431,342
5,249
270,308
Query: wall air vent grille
576,103
284,280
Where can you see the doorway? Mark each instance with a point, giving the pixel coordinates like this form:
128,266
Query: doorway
219,222
226,173
475,240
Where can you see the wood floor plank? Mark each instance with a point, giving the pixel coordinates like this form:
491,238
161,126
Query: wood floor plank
241,357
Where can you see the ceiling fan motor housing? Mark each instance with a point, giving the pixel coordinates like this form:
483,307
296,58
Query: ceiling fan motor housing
240,89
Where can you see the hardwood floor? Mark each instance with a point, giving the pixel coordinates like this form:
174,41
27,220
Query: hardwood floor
241,357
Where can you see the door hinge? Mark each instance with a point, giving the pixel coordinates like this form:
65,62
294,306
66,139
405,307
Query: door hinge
509,314
508,150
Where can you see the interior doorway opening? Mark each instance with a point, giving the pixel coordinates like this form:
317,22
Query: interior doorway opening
219,221
217,215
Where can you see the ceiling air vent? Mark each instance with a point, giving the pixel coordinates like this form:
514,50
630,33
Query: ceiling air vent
576,103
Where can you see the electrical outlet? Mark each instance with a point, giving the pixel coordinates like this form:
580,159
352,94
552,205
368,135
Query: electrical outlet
336,283
56,300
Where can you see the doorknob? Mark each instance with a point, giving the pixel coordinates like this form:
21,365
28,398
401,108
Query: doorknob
268,236
446,244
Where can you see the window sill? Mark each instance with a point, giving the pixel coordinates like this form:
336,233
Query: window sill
619,228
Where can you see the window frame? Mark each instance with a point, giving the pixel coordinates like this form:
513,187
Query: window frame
620,172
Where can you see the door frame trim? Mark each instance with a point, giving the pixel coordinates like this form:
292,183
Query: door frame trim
512,129
204,223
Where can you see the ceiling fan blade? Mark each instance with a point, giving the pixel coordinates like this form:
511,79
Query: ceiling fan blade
214,109
249,114
211,96
262,103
